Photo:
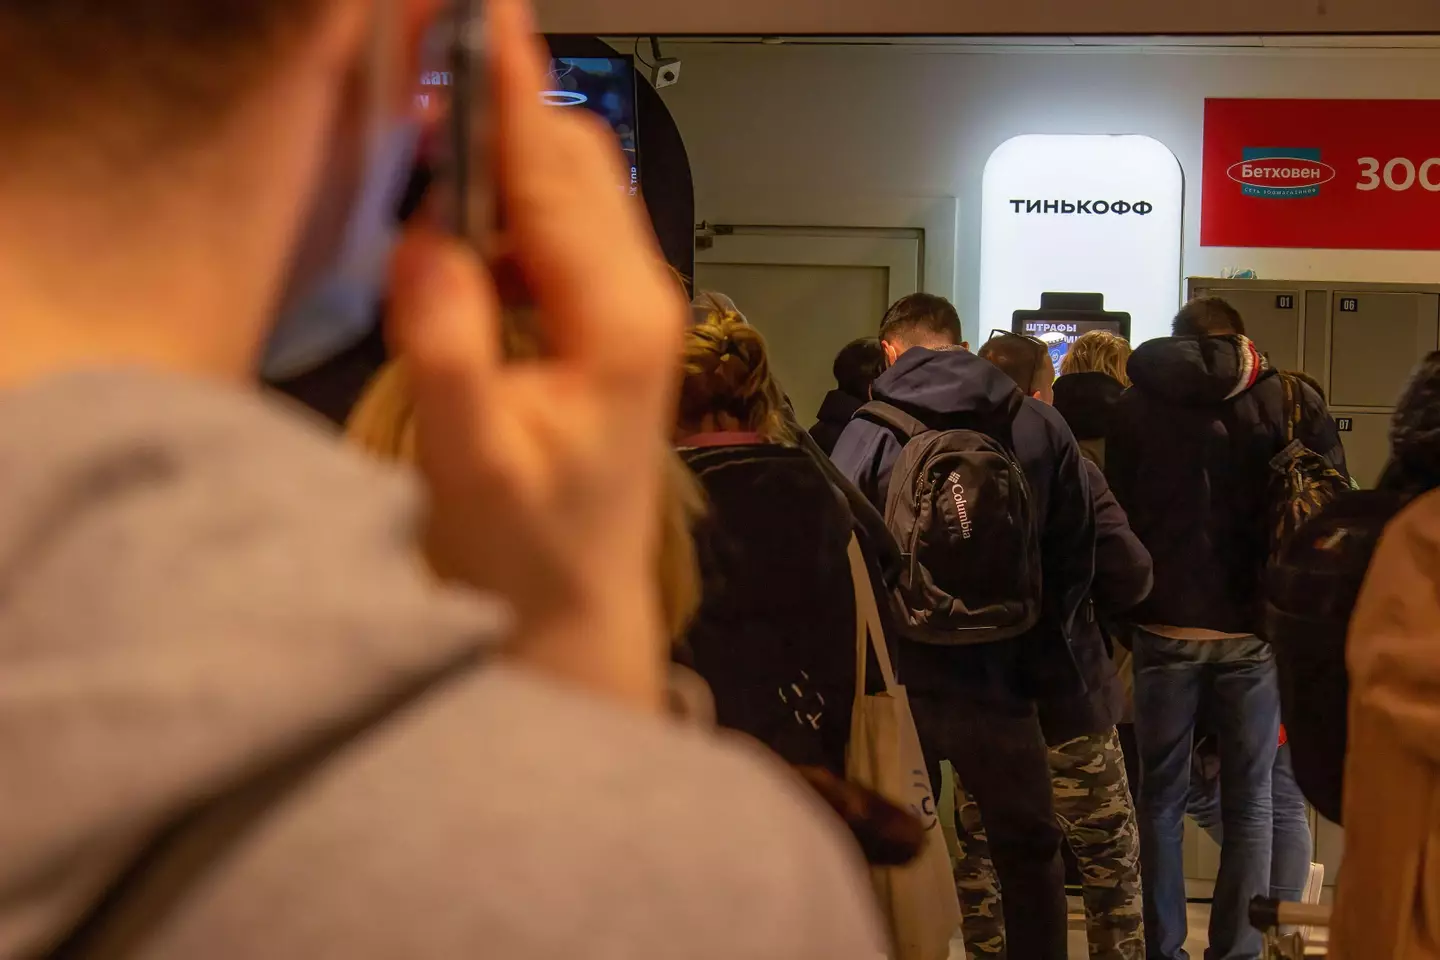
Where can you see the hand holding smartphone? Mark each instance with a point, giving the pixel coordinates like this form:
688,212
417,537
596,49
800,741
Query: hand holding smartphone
544,474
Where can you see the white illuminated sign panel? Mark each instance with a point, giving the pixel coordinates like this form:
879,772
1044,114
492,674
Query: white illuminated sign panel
1082,214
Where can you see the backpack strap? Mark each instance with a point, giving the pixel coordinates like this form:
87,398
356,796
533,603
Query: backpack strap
1293,405
887,415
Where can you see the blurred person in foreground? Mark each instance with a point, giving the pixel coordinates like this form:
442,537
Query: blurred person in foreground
241,720
857,365
1388,901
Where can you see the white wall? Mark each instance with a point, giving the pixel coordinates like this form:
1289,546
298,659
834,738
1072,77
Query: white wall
820,128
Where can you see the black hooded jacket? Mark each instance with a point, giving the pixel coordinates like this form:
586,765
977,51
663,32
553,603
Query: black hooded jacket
1188,456
775,633
946,386
1087,402
835,413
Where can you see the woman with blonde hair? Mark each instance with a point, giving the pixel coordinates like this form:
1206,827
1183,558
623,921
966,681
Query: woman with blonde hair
1092,378
775,634
1099,351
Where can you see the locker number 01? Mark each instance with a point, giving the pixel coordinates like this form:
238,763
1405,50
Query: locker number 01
1399,174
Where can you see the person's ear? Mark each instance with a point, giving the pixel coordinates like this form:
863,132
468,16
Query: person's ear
891,353
965,345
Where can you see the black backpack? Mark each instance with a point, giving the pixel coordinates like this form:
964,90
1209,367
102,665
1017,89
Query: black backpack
1312,589
1302,482
961,510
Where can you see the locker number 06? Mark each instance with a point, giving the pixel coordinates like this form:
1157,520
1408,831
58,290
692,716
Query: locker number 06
1399,174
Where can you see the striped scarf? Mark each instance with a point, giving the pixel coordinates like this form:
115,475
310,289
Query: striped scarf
1252,365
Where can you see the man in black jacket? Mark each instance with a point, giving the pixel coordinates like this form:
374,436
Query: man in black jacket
975,705
857,365
1188,455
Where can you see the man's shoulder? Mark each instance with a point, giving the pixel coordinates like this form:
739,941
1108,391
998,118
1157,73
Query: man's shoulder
525,802
1045,415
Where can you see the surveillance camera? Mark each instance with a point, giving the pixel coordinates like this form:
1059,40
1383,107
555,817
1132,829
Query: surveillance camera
665,73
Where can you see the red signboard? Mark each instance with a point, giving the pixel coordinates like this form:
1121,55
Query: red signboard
1340,174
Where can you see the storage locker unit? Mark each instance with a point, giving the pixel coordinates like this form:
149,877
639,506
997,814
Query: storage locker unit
1360,340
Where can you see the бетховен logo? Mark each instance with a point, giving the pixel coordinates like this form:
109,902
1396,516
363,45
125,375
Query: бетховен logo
1280,172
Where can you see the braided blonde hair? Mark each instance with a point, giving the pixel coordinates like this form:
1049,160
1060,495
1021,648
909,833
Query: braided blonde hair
1099,351
727,372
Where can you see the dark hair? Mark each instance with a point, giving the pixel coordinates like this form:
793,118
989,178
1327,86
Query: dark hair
1023,359
1208,317
136,68
857,365
1415,432
923,313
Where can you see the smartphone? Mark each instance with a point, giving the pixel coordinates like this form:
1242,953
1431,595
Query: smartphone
463,195
468,142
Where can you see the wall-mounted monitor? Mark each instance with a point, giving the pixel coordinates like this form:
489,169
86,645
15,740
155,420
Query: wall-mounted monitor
1064,318
603,85
606,87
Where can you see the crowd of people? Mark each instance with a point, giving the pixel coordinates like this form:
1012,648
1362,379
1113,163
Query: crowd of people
573,644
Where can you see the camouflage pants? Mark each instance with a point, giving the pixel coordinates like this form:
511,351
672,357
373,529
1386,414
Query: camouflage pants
1097,815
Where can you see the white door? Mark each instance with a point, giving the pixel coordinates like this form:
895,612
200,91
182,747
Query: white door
810,291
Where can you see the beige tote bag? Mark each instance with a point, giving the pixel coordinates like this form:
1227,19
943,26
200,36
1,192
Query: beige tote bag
918,900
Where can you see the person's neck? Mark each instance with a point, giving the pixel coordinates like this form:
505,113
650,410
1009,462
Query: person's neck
179,271
175,306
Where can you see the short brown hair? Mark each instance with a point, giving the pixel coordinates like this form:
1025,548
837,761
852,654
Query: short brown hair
1208,317
135,68
1023,359
929,315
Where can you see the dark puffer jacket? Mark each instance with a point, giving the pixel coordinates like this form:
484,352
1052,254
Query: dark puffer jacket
1188,456
1087,402
835,414
775,633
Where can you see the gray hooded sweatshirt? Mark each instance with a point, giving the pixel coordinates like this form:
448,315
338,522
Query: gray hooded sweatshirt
238,721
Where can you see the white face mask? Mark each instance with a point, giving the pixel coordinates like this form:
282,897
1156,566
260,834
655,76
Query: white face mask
338,308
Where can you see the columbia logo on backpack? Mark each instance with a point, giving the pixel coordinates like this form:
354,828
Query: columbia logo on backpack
962,506
962,512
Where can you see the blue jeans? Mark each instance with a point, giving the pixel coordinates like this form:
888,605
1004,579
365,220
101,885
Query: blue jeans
1290,862
1235,680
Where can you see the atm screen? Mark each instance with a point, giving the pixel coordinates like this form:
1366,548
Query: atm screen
1058,335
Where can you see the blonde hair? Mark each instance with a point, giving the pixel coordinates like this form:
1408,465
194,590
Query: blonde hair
383,425
727,371
1099,351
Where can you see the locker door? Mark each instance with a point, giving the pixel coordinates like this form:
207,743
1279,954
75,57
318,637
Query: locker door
1367,445
1375,341
1273,318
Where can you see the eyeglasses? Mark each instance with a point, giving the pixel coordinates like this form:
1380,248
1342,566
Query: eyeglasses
1039,353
